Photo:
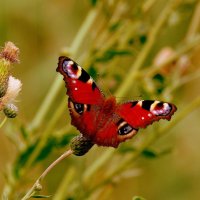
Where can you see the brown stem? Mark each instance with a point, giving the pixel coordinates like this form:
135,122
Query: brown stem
37,185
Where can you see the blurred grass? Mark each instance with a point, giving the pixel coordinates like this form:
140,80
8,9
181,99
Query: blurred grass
123,36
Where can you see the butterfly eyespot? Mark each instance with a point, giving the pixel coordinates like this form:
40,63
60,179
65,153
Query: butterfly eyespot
79,108
71,69
125,129
65,65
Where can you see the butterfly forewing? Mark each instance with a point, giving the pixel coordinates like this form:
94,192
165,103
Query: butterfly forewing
80,86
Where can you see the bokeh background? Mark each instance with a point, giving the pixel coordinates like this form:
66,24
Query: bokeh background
169,167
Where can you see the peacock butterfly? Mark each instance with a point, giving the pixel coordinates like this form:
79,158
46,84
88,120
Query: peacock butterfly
102,120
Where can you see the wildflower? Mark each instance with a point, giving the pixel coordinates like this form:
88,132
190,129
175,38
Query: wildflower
9,86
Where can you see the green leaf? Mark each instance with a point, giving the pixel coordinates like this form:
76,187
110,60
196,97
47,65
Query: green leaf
52,143
92,72
93,2
143,39
138,198
126,149
24,132
114,26
111,53
159,78
40,196
159,81
149,153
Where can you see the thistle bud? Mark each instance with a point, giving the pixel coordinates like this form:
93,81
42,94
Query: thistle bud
4,74
8,55
80,145
10,110
38,187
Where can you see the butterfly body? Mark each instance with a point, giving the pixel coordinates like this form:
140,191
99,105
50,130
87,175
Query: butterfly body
101,119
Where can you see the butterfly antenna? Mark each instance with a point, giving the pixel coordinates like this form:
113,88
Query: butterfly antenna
126,98
107,91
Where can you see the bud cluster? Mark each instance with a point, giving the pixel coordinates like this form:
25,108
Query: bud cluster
80,145
9,86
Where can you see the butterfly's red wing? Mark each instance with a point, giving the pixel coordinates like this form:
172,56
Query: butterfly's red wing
102,120
111,134
140,114
80,86
85,98
83,118
128,117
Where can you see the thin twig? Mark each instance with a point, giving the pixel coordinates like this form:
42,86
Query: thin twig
146,49
128,82
37,185
3,122
52,94
195,23
80,37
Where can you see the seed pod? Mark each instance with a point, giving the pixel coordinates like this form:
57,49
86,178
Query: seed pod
80,145
10,110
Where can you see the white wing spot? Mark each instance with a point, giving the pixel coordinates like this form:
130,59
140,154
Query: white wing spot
90,81
140,103
70,62
154,105
149,115
142,118
76,88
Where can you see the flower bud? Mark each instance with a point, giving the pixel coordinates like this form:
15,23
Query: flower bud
38,187
80,145
10,110
4,74
8,55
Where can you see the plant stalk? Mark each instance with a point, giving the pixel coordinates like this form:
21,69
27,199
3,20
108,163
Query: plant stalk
37,185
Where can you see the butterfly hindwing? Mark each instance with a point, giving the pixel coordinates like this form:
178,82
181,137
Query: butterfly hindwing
140,114
83,117
127,118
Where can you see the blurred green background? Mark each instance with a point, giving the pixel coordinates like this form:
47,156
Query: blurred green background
44,30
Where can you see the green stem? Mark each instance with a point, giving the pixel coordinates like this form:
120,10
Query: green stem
53,92
99,162
180,82
182,114
187,47
195,22
46,133
124,87
67,179
83,32
80,37
37,184
3,122
46,104
146,143
128,82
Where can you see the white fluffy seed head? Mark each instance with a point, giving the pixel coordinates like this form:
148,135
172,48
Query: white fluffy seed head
14,87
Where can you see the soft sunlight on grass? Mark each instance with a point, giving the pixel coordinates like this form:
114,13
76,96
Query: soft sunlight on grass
134,50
